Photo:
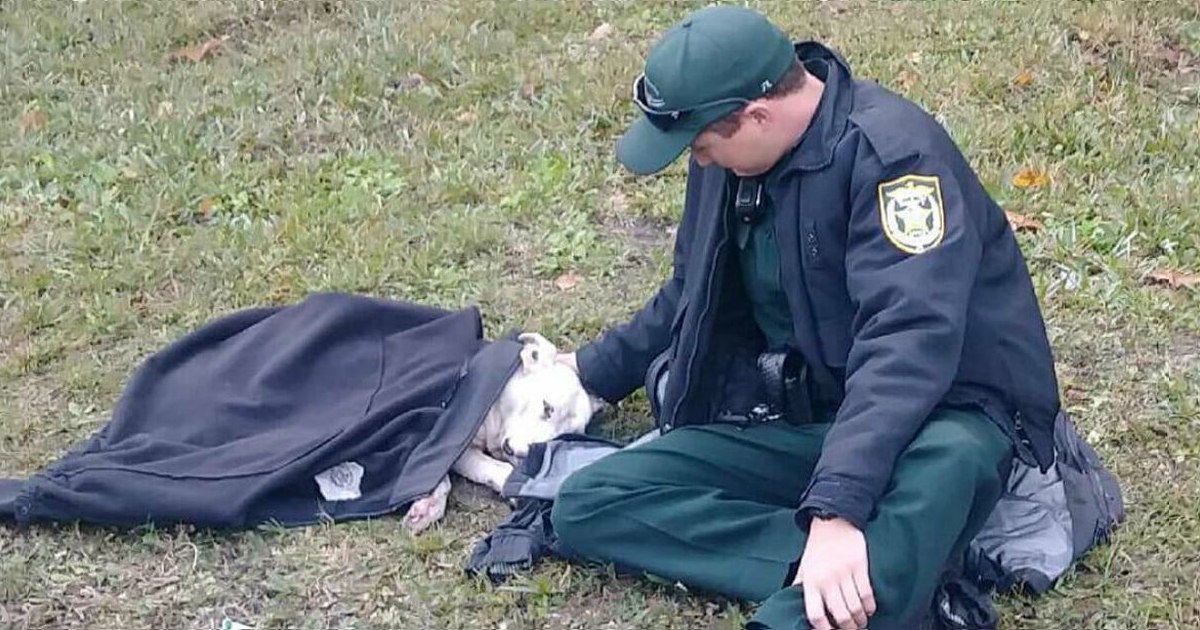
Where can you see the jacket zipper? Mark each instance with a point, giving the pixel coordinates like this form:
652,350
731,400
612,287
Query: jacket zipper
708,296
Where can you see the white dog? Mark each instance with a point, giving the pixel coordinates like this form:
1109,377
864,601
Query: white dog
543,400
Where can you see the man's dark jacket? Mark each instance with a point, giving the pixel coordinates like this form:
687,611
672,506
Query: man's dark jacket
230,425
888,335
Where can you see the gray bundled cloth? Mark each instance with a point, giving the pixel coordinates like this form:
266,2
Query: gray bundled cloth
527,535
1042,524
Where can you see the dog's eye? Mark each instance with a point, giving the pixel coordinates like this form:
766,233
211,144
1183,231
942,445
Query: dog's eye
547,410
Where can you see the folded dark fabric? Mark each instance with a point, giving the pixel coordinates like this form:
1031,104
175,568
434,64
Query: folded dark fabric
516,544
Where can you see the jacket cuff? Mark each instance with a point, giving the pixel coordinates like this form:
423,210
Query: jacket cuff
596,373
835,499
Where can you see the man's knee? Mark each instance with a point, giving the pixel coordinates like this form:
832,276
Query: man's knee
964,442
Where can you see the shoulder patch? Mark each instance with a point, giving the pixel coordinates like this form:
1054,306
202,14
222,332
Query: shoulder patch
911,211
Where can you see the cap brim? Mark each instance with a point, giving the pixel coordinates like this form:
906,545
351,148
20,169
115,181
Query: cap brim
646,149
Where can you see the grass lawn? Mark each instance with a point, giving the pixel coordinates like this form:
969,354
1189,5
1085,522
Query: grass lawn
461,151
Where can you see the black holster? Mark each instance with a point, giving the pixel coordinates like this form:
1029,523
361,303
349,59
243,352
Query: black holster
785,381
782,380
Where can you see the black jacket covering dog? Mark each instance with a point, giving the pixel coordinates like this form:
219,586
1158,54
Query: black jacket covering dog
231,425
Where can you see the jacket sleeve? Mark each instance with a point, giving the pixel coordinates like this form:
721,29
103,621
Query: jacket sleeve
614,365
910,293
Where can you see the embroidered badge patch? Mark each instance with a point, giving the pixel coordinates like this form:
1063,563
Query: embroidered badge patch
341,483
910,208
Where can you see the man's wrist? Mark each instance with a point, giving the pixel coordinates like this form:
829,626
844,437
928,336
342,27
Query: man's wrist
822,514
828,522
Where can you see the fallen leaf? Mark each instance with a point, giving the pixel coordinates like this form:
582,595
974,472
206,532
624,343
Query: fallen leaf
1020,222
604,31
413,80
1024,79
907,78
915,56
1030,178
836,8
567,281
33,120
198,52
138,302
467,117
165,109
529,90
1174,279
207,205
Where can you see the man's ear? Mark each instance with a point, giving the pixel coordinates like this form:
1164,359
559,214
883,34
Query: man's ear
597,403
758,112
537,351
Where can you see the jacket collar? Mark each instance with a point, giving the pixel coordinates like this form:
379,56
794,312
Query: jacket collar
816,145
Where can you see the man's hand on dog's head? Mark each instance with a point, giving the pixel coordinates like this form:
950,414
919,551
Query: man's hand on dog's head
568,359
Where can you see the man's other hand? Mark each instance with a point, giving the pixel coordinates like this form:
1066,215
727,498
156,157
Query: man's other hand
568,359
833,574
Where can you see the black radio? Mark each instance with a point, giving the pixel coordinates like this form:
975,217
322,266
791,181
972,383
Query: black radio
748,200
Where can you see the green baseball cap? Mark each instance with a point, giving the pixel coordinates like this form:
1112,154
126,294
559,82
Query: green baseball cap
703,68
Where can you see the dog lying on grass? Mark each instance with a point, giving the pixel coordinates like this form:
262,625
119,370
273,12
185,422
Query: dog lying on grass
543,400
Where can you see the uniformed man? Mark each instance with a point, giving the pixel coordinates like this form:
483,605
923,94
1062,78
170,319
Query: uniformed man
845,360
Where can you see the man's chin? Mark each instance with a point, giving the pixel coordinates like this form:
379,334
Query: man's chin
749,172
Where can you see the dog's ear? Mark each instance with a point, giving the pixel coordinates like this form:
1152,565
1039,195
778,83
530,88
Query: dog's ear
537,351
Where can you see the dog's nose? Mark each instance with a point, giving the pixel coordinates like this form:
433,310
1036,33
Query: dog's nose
507,448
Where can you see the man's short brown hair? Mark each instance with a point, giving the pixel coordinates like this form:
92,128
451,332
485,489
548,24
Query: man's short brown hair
792,81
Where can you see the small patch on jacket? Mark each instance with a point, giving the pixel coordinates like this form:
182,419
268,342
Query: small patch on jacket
911,210
341,483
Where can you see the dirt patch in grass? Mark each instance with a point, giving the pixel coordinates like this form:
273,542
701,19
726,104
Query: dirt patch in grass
1171,56
274,15
1185,350
638,231
643,236
1159,57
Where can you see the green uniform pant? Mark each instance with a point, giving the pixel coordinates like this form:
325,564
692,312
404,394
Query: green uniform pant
713,507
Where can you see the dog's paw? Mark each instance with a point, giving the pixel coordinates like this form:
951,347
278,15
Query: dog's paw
424,512
499,474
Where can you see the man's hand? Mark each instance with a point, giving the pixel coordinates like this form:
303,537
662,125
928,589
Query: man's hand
833,573
568,359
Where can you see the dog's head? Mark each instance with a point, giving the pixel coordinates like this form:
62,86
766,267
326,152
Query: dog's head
543,400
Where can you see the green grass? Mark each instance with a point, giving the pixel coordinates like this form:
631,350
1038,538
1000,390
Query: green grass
460,151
